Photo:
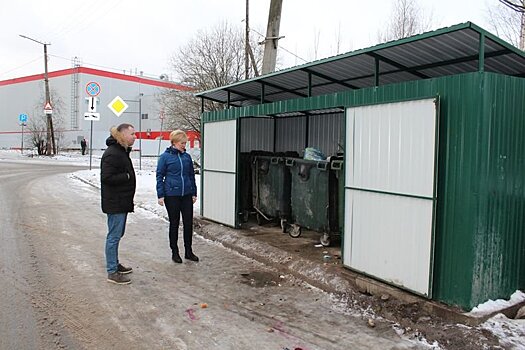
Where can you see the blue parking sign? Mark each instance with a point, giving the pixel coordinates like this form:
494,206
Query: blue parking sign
22,118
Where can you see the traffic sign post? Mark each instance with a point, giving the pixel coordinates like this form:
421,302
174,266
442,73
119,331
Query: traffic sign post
92,103
118,106
92,116
90,143
22,119
48,109
92,89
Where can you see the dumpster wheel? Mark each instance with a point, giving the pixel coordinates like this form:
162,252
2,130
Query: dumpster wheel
295,231
325,240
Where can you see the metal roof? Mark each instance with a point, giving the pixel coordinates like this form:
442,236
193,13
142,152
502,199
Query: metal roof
446,51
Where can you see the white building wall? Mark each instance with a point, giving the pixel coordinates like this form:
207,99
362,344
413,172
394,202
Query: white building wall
26,95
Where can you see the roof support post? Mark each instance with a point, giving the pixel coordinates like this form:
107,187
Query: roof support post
202,105
228,100
376,71
481,59
263,93
309,84
307,130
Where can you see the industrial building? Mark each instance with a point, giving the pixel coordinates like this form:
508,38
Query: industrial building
70,91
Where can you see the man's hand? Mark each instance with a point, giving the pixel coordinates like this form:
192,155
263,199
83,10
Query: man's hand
161,201
194,198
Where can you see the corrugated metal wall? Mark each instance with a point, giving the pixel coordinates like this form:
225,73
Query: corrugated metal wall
325,132
257,134
290,134
498,234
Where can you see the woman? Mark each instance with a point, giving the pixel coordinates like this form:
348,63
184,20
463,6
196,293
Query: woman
177,190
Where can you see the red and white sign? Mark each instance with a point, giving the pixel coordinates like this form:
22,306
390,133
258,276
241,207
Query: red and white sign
48,109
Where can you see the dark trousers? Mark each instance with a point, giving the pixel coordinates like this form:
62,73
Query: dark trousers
177,205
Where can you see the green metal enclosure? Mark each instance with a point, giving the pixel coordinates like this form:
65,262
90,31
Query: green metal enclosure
479,241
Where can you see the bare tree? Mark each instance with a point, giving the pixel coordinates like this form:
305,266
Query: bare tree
37,125
37,134
213,58
507,19
407,19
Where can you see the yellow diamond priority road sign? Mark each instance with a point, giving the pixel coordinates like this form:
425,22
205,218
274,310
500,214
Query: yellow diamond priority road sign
118,106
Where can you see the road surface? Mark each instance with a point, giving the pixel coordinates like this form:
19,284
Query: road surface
54,293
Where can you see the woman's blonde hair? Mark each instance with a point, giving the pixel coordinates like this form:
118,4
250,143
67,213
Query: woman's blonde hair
178,136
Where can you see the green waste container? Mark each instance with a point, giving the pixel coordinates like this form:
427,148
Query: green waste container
312,199
271,189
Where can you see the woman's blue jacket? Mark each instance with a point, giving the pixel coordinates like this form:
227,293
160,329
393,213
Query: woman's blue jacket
175,175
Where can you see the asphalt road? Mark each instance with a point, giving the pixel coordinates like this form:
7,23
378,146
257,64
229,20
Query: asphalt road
54,293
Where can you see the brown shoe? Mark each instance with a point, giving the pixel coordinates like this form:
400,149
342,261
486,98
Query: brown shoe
123,269
118,278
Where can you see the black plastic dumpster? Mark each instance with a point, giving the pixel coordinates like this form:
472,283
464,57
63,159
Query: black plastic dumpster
312,198
337,215
245,186
271,189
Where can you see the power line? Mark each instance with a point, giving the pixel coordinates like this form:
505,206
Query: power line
22,65
280,46
104,67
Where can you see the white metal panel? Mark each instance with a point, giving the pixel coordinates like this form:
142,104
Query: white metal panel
219,177
220,140
393,147
389,187
389,237
219,197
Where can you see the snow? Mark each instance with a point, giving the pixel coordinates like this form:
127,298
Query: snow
511,333
492,306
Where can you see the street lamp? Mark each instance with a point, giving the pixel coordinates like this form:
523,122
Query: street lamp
50,132
139,101
140,130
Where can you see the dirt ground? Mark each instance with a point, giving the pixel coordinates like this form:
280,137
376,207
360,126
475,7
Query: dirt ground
411,319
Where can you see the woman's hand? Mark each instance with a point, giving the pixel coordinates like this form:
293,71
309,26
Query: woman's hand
194,198
161,201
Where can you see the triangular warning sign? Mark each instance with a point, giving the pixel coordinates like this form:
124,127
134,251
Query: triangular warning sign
48,106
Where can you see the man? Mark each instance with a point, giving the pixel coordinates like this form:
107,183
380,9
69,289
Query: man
118,183
83,145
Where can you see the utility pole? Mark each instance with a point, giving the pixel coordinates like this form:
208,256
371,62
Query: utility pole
50,146
272,36
247,41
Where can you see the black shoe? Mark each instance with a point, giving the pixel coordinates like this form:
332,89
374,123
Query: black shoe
191,256
123,269
176,258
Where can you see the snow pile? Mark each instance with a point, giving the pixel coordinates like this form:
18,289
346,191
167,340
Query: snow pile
492,306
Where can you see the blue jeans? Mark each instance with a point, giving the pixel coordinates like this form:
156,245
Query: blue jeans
116,227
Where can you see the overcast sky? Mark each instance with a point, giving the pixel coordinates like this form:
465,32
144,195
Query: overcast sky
135,35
